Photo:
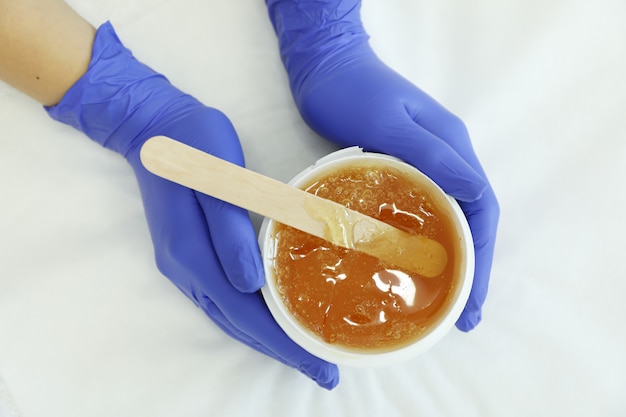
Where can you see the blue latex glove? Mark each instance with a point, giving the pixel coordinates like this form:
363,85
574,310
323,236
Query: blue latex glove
348,95
206,247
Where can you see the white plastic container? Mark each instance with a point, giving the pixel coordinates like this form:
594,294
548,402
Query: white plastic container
343,355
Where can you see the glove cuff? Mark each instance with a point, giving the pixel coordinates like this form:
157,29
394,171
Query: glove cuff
313,33
118,97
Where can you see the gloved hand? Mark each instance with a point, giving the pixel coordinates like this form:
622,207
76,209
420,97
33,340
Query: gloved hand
348,95
206,247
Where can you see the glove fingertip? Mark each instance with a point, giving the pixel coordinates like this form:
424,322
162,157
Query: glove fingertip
469,320
469,188
250,277
325,374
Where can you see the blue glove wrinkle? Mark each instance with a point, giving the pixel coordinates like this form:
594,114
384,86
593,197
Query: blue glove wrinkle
311,32
116,91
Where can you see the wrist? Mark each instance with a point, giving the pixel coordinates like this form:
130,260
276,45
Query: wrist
119,99
314,33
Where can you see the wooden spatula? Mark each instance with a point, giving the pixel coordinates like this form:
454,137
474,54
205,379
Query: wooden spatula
289,205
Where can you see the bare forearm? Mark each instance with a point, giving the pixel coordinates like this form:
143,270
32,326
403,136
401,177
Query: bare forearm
45,47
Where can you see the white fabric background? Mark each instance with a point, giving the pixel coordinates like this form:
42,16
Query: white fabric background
88,327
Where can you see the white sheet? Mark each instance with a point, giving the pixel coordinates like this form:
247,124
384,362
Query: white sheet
88,327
